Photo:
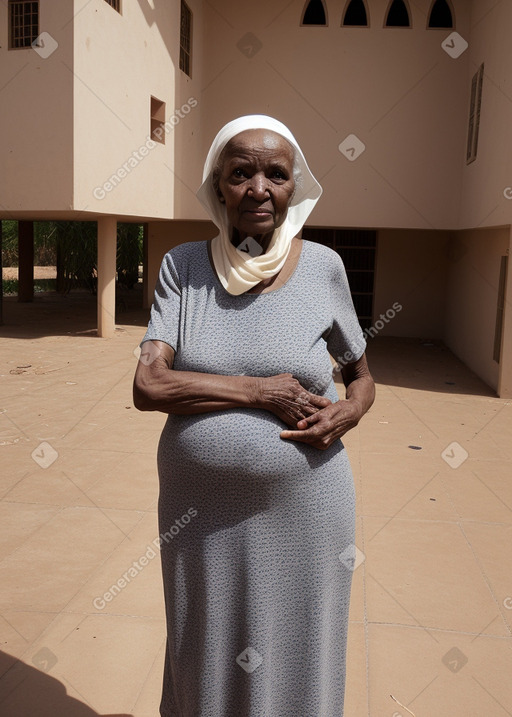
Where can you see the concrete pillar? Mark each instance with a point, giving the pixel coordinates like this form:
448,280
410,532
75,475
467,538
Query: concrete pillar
25,261
505,375
107,246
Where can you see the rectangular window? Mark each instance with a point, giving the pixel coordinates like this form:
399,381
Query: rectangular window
23,23
185,39
116,4
157,120
498,331
474,114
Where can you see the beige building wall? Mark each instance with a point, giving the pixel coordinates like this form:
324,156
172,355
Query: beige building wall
411,269
36,120
397,90
120,60
118,168
487,182
472,295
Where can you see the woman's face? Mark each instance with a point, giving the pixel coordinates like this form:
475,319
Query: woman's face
256,181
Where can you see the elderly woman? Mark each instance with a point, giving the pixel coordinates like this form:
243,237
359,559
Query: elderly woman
256,507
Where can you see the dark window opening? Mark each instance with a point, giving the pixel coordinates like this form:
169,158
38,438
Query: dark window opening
355,14
500,309
357,249
157,120
185,39
116,4
23,23
474,114
398,15
440,15
314,14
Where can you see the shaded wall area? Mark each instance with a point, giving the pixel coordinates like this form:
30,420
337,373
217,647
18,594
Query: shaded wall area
411,269
165,235
472,300
447,284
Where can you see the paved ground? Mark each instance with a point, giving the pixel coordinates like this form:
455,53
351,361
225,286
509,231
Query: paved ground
40,272
431,610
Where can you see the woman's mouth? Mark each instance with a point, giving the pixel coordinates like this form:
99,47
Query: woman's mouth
258,212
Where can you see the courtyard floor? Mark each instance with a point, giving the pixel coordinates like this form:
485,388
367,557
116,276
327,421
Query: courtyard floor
431,610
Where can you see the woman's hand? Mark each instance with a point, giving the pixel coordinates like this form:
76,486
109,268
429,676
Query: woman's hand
328,424
284,396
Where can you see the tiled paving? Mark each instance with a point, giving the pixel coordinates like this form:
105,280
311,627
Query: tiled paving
431,609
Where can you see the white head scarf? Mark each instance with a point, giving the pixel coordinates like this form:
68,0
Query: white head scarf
238,271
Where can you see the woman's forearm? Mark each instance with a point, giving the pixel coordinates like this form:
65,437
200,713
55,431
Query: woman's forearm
361,392
159,388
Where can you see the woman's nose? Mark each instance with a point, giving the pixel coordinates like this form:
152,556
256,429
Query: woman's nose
258,186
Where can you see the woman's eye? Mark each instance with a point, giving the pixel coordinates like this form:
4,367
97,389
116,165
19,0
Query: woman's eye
238,173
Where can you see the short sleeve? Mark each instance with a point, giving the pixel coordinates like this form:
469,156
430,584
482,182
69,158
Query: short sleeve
164,321
345,339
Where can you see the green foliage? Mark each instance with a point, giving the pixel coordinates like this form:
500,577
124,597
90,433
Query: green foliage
10,286
44,243
129,253
72,247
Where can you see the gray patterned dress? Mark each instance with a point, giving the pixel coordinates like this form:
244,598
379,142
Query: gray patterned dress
252,527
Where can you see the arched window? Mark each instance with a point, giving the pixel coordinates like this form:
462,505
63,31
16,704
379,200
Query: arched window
440,15
355,14
397,15
314,13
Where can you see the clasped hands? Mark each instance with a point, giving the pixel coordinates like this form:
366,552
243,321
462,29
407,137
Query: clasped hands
313,419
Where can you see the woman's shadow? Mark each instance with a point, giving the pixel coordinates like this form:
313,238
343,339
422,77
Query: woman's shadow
26,691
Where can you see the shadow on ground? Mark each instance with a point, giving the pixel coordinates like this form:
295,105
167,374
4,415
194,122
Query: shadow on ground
404,362
53,314
27,691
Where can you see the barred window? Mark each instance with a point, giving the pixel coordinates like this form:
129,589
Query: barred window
116,4
185,39
23,23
